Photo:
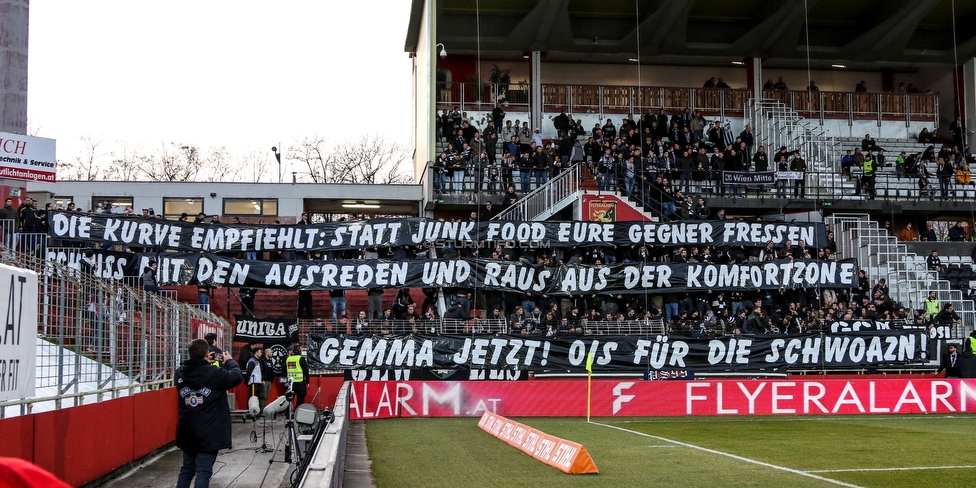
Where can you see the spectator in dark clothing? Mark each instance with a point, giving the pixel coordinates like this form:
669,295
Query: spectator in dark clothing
933,262
950,362
928,234
957,233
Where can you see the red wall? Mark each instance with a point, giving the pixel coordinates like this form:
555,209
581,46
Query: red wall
5,190
81,444
330,385
624,211
631,397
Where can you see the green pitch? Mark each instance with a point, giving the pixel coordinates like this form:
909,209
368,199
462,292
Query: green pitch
881,451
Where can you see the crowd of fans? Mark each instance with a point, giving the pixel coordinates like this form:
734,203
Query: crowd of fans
661,160
664,161
704,313
707,313
947,166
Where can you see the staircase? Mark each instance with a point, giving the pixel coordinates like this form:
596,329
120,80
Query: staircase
547,200
881,256
776,125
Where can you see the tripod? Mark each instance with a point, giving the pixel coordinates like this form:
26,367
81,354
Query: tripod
264,442
290,436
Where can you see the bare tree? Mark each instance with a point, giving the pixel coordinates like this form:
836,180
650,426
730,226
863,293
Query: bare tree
254,164
126,163
85,165
217,165
370,159
311,153
173,162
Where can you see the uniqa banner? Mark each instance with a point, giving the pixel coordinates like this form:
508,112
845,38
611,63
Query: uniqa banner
136,231
615,353
560,280
266,330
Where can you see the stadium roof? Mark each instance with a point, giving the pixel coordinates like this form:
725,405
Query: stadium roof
860,34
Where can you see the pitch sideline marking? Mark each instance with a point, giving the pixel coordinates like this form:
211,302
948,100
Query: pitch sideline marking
918,468
733,456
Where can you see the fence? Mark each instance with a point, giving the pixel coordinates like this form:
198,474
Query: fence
615,99
100,339
485,326
881,256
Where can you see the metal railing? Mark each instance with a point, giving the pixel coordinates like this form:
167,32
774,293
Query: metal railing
778,125
615,99
100,339
547,199
488,326
880,255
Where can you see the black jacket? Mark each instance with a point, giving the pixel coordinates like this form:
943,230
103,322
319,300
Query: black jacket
203,423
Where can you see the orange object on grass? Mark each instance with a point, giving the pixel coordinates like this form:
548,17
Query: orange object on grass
566,456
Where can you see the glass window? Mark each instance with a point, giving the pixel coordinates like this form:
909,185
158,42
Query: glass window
250,206
61,202
174,207
116,205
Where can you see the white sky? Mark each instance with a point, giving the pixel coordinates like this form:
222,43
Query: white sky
242,74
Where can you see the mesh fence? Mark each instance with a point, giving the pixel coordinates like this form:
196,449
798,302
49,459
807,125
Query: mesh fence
99,338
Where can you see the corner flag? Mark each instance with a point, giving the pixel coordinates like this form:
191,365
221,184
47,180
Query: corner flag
589,382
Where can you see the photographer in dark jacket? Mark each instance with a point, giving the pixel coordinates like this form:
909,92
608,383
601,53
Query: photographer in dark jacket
203,423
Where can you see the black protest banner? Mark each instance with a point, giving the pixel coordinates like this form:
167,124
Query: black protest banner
457,373
557,280
748,178
173,268
863,324
560,280
266,330
103,264
614,353
381,233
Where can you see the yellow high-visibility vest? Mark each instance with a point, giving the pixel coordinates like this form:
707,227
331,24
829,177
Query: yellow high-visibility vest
294,368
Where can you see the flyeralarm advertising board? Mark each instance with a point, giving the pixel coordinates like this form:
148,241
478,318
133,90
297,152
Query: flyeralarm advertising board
28,158
567,398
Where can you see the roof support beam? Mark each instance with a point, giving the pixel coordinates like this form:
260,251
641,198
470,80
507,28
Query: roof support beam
535,29
658,27
890,36
778,32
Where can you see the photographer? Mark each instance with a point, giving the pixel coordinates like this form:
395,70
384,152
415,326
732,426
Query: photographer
203,424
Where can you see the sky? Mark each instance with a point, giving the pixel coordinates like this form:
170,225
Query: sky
242,74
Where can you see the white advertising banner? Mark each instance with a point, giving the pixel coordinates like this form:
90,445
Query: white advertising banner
18,332
27,158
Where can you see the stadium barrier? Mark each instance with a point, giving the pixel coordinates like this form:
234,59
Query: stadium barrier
107,350
325,470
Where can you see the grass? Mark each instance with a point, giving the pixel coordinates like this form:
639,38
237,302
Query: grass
456,453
